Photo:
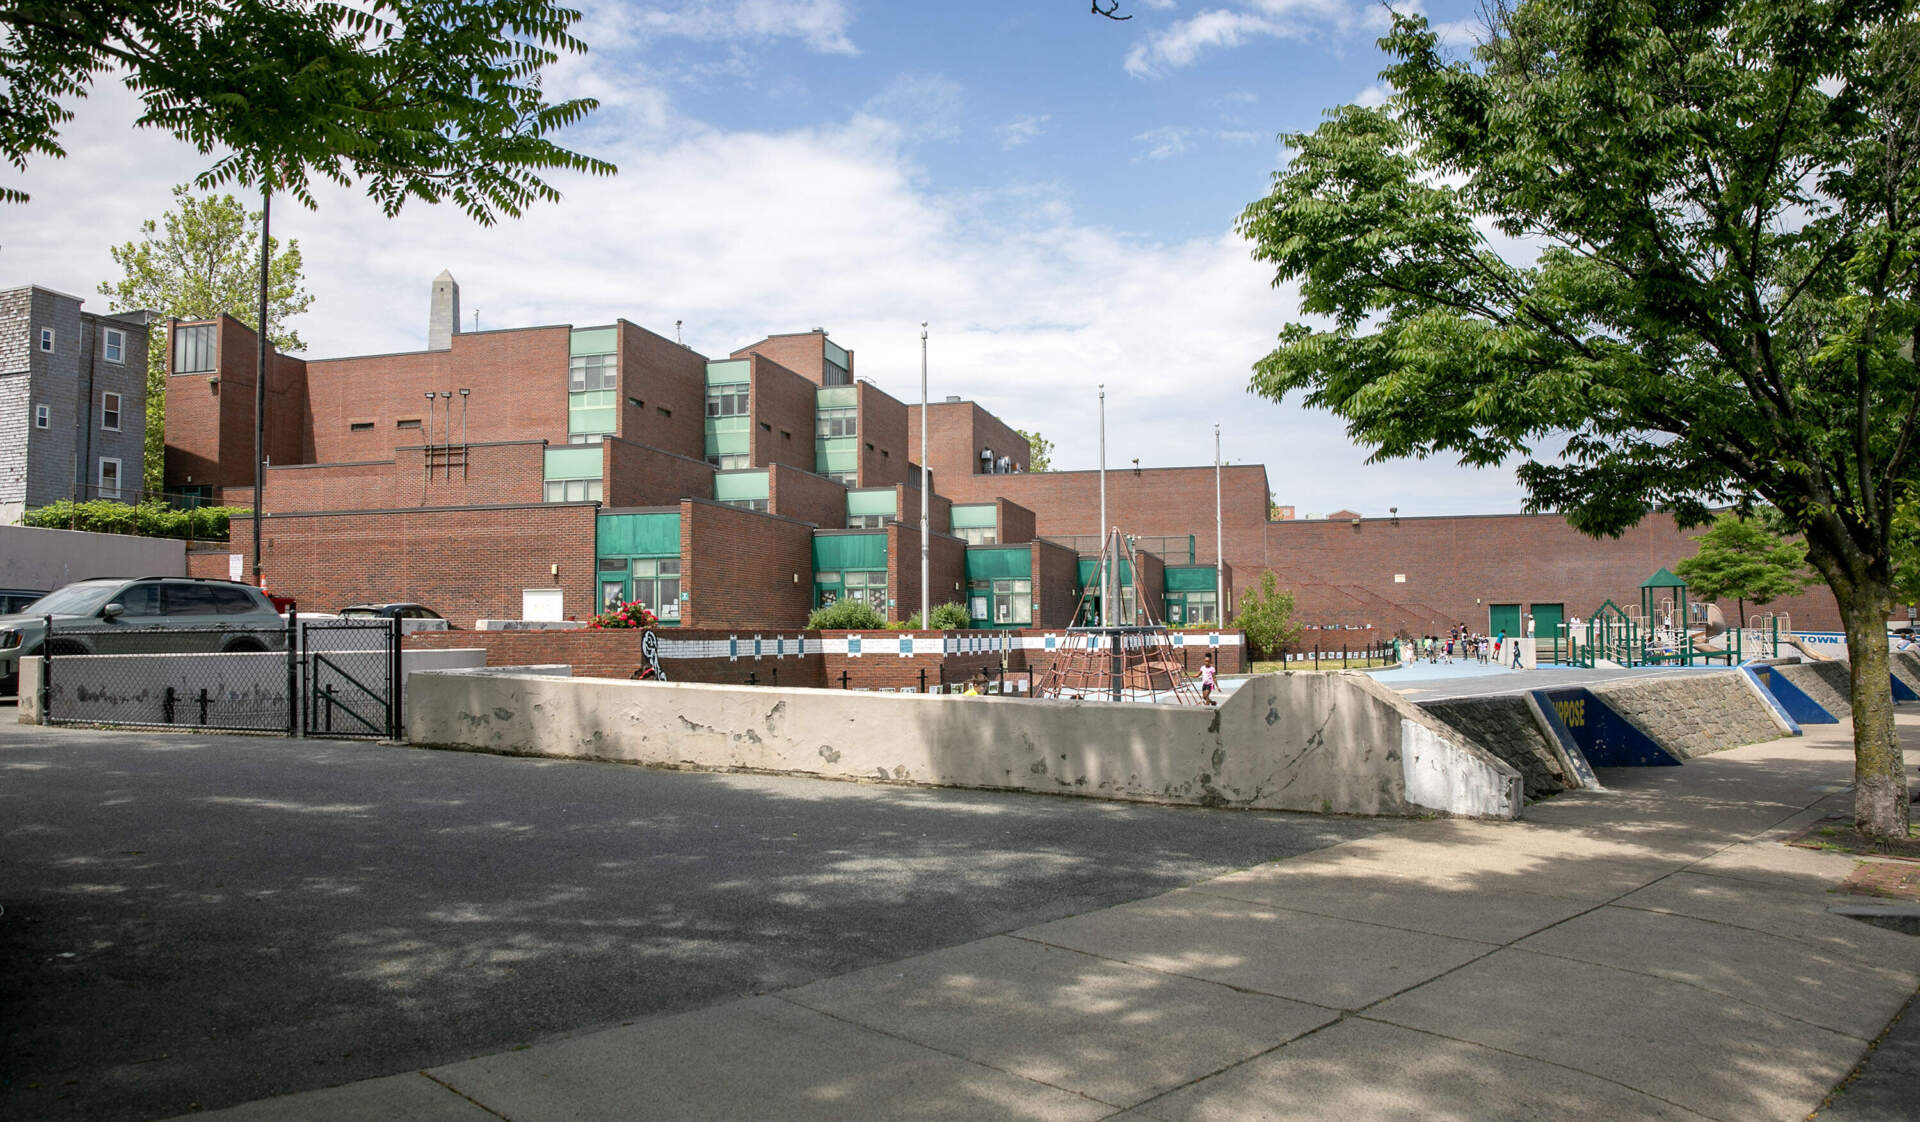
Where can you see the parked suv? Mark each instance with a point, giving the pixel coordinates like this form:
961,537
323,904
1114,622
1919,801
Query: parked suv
389,611
108,616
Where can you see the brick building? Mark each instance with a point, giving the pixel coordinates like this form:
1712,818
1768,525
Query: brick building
544,470
73,401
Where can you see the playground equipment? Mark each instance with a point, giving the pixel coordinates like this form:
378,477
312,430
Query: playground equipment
1117,661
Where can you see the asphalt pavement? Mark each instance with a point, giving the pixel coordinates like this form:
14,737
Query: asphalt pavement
196,921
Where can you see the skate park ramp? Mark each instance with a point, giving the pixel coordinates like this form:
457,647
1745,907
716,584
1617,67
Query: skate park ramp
1327,741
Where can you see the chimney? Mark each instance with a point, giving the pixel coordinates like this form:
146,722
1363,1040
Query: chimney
443,322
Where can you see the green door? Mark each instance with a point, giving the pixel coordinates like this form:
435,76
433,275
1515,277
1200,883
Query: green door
1503,617
1547,619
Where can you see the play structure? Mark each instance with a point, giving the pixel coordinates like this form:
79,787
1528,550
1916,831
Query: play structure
1668,628
1124,654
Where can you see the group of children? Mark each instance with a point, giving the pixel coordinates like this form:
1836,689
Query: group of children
1462,642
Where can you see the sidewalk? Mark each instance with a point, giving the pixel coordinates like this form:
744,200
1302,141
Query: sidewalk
1651,951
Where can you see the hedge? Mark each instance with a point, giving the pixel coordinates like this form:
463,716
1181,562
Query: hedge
149,520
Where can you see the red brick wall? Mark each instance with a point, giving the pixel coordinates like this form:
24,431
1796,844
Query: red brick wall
1152,576
1173,501
883,439
946,568
810,498
466,564
906,500
782,406
1016,523
661,374
1056,584
805,354
210,563
960,431
495,473
209,428
518,380
742,568
637,475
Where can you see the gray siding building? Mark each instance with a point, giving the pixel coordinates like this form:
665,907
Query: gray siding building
73,401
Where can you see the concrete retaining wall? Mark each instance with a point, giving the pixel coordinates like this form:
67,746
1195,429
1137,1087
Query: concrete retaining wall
31,557
1328,742
1906,667
1826,683
1692,714
1505,726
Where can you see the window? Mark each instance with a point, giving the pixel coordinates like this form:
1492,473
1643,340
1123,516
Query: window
866,521
39,416
749,504
193,349
409,423
613,564
729,461
192,600
113,345
572,490
360,426
139,600
586,438
110,412
765,427
839,421
231,600
977,535
727,401
1010,600
109,478
845,478
1202,607
656,583
663,411
785,435
592,372
46,339
636,403
592,411
869,586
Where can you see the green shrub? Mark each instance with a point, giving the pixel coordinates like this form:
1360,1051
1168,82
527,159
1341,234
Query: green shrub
950,617
150,520
846,615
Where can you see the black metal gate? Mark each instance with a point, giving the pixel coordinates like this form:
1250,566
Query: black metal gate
332,678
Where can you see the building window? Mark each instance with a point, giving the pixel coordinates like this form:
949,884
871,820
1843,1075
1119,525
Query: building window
636,403
193,349
765,427
409,423
866,521
1009,600
977,535
360,426
729,461
110,412
39,416
727,401
845,478
109,478
663,411
867,585
839,421
586,437
749,504
114,345
1202,607
572,490
592,372
46,339
656,583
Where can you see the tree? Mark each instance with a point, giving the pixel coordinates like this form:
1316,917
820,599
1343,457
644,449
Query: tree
204,264
1906,551
1039,451
1723,308
414,99
1266,615
1740,558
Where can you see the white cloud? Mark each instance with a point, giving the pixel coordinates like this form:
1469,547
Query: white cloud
1184,41
1373,97
923,106
1023,128
821,24
1166,142
740,234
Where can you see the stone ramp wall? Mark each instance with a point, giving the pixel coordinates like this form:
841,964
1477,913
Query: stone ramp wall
1692,714
1827,683
1504,726
1906,667
1328,742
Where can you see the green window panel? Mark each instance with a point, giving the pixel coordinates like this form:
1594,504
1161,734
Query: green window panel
574,463
1090,572
1190,579
638,535
727,443
836,455
838,355
981,516
592,411
870,502
849,551
729,424
999,563
729,486
836,397
594,341
728,372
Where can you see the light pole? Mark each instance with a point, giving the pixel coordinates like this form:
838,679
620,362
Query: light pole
1219,541
1106,605
926,610
260,384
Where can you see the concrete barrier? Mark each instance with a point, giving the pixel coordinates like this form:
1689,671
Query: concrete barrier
1504,725
1692,713
1314,741
1828,684
1793,697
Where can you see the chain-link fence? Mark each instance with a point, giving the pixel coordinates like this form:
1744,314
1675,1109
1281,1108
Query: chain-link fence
336,678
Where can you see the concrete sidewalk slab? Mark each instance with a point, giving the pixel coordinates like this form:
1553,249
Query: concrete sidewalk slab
1113,1032
1458,910
1837,992
1791,912
1363,1069
759,1058
1714,1055
1335,963
412,1096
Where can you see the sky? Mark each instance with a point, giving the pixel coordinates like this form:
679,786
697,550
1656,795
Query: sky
1053,193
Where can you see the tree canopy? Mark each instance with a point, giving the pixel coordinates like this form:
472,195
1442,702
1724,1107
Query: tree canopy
415,99
1039,450
205,262
1741,559
1266,615
1724,199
